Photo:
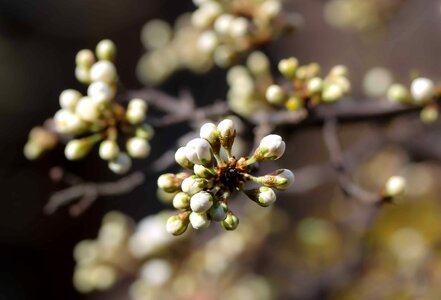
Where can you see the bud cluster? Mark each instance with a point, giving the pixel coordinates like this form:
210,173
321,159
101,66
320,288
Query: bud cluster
100,262
231,28
253,88
96,117
218,32
204,196
423,92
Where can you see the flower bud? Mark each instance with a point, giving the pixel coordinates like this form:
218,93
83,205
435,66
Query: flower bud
77,149
422,90
231,222
121,164
208,41
429,114
288,67
106,50
135,116
138,147
294,103
193,185
332,93
137,103
211,134
201,202
69,99
218,212
398,93
82,74
32,150
203,172
315,85
181,201
275,94
87,110
280,179
85,58
145,131
199,220
100,92
169,182
271,147
264,196
223,23
109,150
395,187
178,224
339,71
199,151
103,71
181,158
227,134
239,27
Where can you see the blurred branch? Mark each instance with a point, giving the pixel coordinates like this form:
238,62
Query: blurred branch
88,192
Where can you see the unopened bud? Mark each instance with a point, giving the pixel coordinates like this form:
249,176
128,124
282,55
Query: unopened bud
398,93
121,164
280,179
77,149
199,151
178,224
181,201
109,150
264,196
395,186
271,147
275,94
288,67
199,220
181,158
169,182
106,50
218,212
227,134
422,90
138,147
231,222
193,185
210,132
201,202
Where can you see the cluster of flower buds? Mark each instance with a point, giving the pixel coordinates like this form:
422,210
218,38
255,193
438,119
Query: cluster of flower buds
306,87
423,92
40,140
170,49
203,196
360,15
101,262
96,117
239,26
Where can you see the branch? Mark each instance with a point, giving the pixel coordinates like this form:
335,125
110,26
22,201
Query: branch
89,192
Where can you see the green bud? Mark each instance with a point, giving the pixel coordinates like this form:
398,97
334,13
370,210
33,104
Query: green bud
288,67
231,222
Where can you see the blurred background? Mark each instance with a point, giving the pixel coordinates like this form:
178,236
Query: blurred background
38,43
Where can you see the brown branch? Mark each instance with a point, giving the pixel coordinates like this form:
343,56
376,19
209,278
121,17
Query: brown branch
349,188
89,192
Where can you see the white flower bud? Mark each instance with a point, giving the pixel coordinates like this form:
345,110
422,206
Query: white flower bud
332,93
429,114
156,272
199,151
239,27
69,99
181,201
231,222
177,225
87,110
100,92
218,211
85,58
137,103
108,150
271,147
103,71
135,116
315,85
264,196
275,94
270,9
138,147
422,90
288,67
398,93
211,134
169,182
227,133
201,202
199,220
395,186
223,23
339,71
280,179
203,172
106,50
121,164
77,149
193,185
208,41
181,158
82,74
145,131
68,123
